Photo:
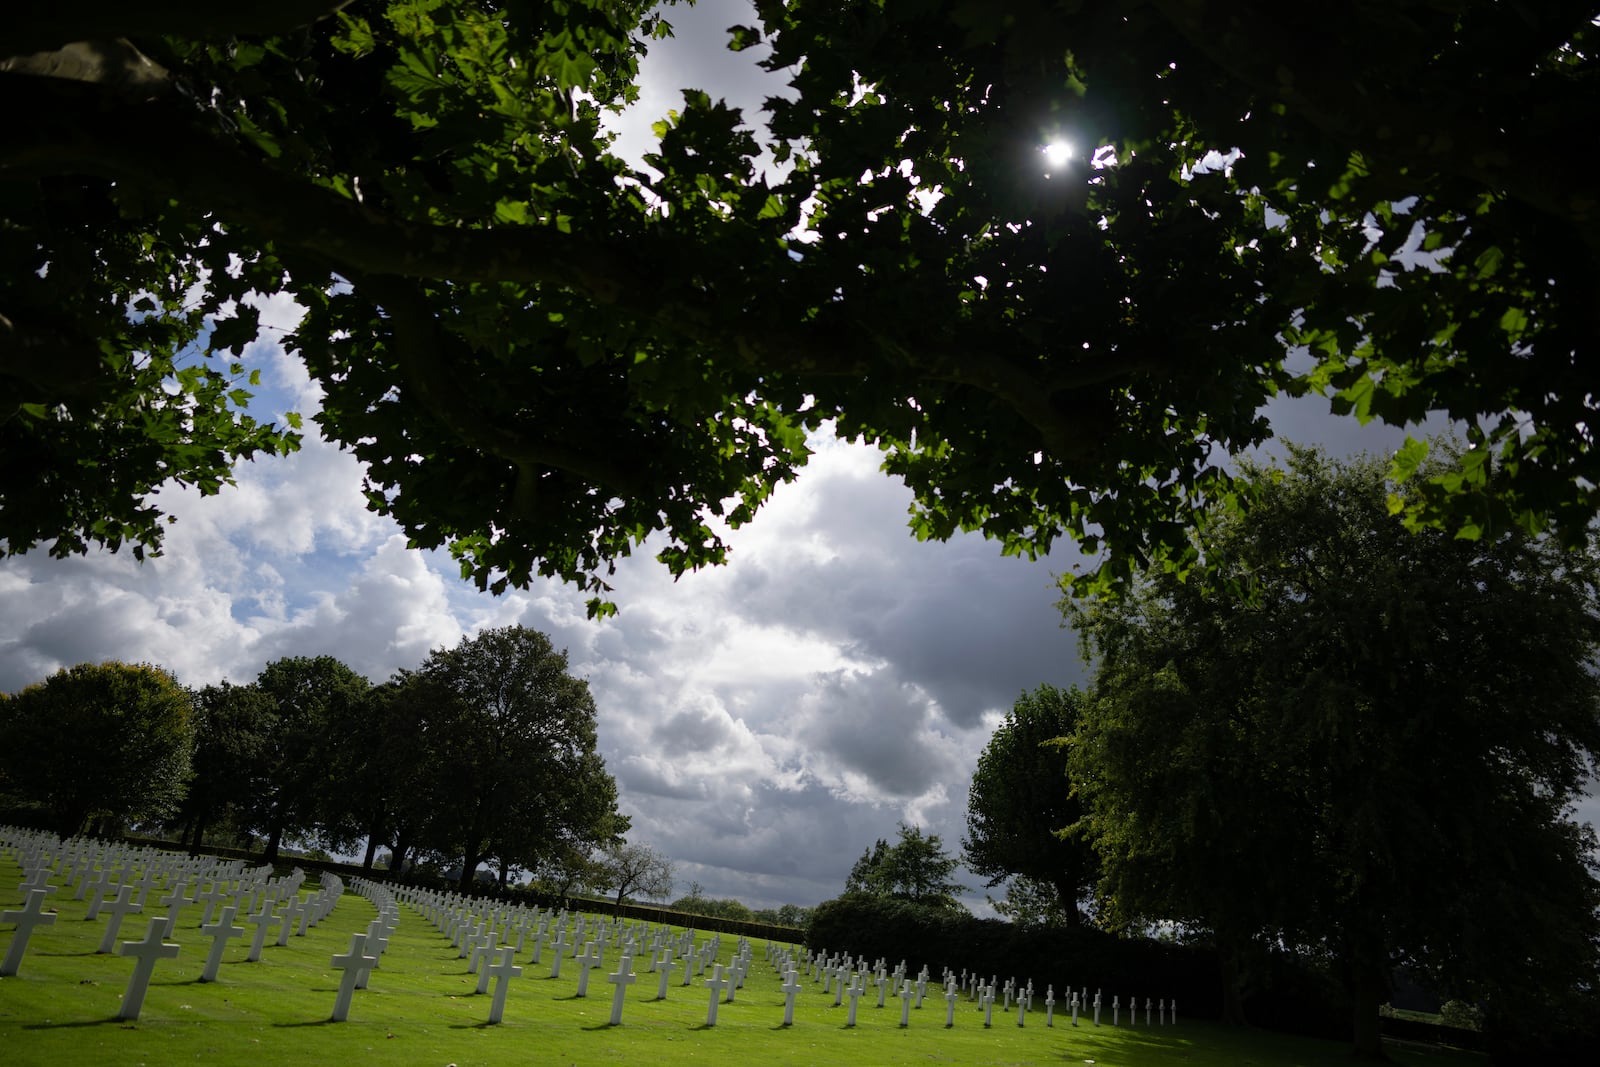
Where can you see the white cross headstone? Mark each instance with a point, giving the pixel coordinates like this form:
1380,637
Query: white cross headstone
855,992
352,963
1097,1009
122,906
1146,1011
145,954
502,972
622,978
716,984
1116,1010
988,1005
558,949
220,933
27,918
791,986
175,900
905,1003
589,959
952,993
664,968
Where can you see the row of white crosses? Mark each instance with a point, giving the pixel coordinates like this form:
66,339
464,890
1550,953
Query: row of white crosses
119,880
849,978
477,927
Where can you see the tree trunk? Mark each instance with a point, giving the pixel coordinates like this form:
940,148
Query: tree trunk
398,854
1067,903
372,850
469,869
199,828
1368,989
505,870
274,837
1232,995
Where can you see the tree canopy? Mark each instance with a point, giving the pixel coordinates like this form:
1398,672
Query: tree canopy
109,741
1021,802
544,354
520,775
915,868
1354,741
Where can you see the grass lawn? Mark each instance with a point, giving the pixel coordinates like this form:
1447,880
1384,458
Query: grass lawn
421,1008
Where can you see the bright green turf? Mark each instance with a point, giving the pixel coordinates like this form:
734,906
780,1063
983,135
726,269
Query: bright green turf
420,1008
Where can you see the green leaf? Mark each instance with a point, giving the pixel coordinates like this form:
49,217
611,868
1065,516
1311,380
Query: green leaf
1407,458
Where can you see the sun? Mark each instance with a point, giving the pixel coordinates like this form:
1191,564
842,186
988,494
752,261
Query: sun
1056,153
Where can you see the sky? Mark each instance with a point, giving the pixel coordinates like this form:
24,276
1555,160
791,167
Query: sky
766,721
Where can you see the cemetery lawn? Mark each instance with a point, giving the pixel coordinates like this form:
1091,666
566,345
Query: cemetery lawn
421,1008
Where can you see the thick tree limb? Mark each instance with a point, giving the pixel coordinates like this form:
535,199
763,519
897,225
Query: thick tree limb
62,126
416,342
40,27
1409,128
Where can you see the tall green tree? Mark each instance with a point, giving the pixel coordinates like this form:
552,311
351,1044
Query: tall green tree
303,791
1021,801
232,725
915,868
522,777
541,367
1354,740
104,744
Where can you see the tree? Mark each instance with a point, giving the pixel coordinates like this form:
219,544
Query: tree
545,355
1355,741
632,868
107,742
232,725
300,792
914,868
522,778
1020,801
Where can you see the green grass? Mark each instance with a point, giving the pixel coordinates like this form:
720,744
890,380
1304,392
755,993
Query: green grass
420,1008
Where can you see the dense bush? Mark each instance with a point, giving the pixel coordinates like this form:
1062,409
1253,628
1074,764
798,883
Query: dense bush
939,938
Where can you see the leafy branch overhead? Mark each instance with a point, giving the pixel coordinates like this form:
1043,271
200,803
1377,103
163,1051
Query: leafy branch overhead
545,355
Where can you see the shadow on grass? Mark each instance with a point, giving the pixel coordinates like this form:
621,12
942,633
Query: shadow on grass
77,1025
298,1026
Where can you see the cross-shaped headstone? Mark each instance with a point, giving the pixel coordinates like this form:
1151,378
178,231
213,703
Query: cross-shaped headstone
716,984
590,958
622,978
215,894
145,953
988,1005
1146,1010
27,918
502,972
220,933
952,993
124,904
1116,1010
905,1003
791,986
558,951
664,968
174,902
352,964
261,919
289,915
855,992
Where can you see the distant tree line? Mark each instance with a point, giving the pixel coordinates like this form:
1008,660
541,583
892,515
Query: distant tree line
485,753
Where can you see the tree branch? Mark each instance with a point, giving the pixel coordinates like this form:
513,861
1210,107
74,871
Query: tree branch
40,27
417,344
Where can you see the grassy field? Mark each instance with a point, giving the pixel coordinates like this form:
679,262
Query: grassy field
421,1008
